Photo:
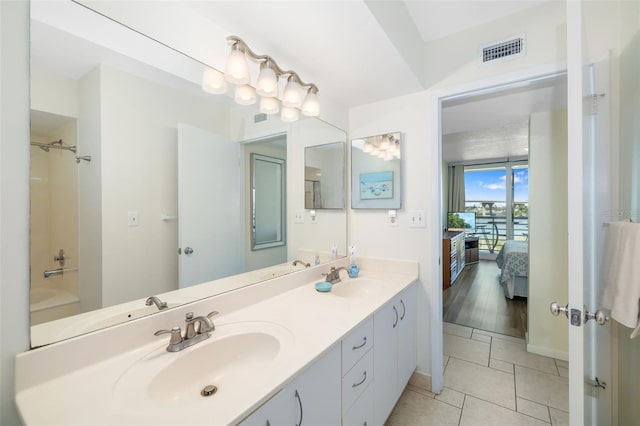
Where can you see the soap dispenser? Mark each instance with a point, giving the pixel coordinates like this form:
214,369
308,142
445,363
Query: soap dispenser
353,268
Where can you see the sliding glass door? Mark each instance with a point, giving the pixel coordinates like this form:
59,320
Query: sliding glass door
498,194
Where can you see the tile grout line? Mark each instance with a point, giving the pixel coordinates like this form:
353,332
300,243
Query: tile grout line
490,349
464,400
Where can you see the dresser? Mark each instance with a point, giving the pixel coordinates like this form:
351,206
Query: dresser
453,257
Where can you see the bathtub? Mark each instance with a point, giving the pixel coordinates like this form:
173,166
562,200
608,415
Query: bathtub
49,303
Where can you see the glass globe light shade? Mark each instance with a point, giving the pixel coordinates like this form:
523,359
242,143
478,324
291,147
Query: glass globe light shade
311,105
237,69
292,96
267,85
269,105
289,114
213,81
245,95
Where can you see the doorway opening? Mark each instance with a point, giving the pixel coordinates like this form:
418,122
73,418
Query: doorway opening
486,135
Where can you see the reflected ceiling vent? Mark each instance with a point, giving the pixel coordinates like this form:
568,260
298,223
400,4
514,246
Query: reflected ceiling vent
502,50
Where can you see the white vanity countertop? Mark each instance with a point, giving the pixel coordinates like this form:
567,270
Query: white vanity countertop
316,321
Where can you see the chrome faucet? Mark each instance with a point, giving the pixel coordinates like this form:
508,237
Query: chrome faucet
159,303
192,334
333,276
296,262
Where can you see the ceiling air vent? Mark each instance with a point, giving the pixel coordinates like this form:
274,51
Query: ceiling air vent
507,49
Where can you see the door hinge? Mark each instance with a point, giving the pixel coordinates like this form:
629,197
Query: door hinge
590,104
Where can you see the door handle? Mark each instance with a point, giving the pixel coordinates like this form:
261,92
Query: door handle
555,309
598,316
188,250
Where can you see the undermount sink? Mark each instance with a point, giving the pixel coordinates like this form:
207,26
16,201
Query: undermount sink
235,356
357,287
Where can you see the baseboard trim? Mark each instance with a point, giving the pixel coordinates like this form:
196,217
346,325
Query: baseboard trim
420,380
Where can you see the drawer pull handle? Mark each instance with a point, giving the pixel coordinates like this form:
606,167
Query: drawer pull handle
364,342
297,395
396,312
364,379
404,310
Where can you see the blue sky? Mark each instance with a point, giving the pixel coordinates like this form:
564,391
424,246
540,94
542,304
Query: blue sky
490,185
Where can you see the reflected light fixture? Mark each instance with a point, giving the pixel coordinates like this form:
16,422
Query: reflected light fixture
289,114
385,147
213,81
245,95
269,105
297,95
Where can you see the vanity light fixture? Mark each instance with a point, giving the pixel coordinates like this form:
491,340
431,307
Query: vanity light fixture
297,95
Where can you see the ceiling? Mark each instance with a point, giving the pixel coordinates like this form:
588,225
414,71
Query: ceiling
356,51
495,124
376,43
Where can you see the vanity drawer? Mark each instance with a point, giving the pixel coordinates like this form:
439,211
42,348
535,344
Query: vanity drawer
361,412
356,381
356,344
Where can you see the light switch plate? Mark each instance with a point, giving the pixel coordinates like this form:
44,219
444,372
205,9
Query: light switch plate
416,219
298,216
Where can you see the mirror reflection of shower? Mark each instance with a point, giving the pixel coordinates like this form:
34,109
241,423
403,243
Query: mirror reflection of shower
54,178
60,145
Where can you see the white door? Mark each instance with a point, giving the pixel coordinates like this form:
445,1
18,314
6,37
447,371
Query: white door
589,202
209,207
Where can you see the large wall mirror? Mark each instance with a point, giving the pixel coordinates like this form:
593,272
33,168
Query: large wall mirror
140,181
376,172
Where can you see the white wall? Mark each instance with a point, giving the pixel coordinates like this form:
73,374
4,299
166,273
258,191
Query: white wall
139,173
452,65
14,197
548,210
629,194
90,193
370,231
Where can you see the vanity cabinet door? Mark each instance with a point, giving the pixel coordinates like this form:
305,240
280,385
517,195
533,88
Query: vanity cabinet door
407,336
394,351
311,398
385,355
273,412
318,389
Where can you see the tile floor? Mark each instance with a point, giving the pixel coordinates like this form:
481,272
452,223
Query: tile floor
489,379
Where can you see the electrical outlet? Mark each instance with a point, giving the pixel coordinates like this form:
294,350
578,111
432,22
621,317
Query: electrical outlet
298,216
416,219
392,218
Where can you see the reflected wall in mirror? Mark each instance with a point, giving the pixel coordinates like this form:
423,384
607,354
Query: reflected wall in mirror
123,104
376,172
324,176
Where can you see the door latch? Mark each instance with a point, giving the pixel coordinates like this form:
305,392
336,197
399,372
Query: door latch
596,385
576,317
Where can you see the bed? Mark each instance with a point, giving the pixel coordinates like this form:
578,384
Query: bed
513,261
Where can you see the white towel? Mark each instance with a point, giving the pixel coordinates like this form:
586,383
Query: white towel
621,274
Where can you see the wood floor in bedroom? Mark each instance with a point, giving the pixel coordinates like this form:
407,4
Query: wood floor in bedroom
477,300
